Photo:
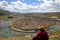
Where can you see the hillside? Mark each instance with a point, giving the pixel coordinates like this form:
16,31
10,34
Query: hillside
4,12
24,21
55,36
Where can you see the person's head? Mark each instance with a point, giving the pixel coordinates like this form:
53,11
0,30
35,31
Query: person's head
42,28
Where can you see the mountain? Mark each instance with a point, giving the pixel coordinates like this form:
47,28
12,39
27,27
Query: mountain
5,12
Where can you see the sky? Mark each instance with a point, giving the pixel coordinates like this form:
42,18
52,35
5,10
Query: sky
30,6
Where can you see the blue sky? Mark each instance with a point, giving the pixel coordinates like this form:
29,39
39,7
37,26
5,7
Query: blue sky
27,6
30,2
33,2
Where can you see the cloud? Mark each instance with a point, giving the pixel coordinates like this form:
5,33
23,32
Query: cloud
18,6
3,4
56,5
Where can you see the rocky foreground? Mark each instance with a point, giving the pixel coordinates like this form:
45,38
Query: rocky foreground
54,36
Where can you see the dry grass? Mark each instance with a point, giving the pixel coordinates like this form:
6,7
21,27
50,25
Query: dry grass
53,37
3,17
17,38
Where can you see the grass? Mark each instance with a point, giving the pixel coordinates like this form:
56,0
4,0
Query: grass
17,38
4,17
55,36
30,38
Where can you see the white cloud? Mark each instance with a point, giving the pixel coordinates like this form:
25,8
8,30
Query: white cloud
3,4
57,1
18,6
